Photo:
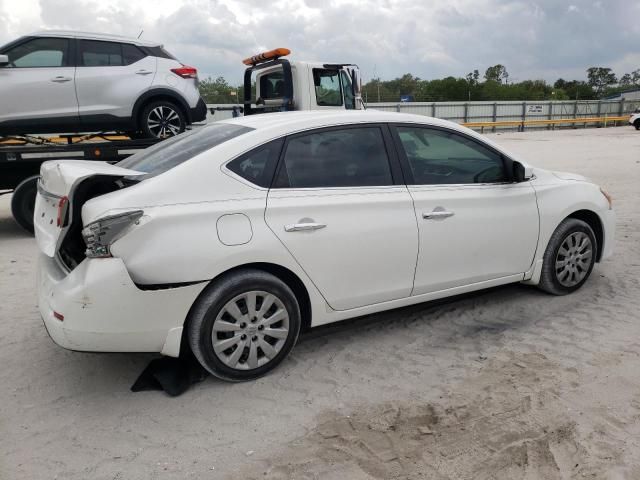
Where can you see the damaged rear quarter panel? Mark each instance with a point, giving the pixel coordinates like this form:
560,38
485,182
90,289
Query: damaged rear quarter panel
181,243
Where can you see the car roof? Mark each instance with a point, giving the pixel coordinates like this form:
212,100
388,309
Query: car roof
302,120
273,125
93,36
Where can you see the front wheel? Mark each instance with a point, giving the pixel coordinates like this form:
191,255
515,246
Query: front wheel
244,325
569,257
162,119
637,124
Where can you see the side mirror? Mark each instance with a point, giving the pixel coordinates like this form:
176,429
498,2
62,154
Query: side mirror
4,60
521,173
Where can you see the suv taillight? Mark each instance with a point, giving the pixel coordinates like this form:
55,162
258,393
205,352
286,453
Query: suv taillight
185,71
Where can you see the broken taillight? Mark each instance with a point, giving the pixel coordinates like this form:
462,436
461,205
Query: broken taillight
63,207
99,235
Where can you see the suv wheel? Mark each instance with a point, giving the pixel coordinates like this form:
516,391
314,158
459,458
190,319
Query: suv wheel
162,119
244,325
637,124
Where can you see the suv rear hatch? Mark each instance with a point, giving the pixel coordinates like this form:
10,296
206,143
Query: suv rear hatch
64,186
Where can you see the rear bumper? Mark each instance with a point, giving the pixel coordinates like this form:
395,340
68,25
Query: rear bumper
199,112
104,311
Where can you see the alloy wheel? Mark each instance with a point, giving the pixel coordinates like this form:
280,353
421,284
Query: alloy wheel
164,121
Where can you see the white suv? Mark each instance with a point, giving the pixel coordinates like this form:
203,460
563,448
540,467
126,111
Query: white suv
634,118
58,81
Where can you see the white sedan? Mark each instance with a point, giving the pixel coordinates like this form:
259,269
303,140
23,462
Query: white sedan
229,239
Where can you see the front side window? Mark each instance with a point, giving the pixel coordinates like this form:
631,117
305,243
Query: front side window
327,85
94,53
438,157
40,52
257,166
172,152
349,157
349,99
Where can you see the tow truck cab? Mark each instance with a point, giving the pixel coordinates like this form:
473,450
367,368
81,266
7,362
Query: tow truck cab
283,85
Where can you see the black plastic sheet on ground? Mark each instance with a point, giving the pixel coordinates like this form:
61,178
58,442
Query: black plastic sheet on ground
171,375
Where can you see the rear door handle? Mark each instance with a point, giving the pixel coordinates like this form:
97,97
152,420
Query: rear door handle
437,214
301,227
143,72
61,79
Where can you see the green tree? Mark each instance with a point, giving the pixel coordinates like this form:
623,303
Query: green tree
218,91
497,73
600,78
575,89
630,79
625,80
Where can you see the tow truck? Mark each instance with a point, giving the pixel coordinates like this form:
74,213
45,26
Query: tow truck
280,85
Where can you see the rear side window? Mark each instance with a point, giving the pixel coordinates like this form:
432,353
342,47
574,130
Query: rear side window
160,52
172,152
349,157
257,166
131,54
272,85
40,52
100,54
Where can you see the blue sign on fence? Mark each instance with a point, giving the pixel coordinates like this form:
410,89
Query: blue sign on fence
406,98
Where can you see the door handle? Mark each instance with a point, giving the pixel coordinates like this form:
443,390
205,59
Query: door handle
143,72
301,227
61,79
437,214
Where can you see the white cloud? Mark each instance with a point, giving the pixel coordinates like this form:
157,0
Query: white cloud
541,39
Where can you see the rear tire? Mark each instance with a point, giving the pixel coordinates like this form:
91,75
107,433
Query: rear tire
162,119
243,325
569,257
23,202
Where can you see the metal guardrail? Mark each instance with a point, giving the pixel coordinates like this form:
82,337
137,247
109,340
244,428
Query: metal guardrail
521,124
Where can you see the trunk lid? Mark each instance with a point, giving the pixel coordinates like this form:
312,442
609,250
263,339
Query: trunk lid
55,208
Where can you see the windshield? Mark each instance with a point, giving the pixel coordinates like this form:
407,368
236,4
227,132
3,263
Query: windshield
167,154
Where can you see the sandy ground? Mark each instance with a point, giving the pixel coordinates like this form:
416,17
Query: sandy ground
509,383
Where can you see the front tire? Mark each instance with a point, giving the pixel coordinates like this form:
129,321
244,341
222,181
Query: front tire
244,325
569,257
637,124
23,202
162,119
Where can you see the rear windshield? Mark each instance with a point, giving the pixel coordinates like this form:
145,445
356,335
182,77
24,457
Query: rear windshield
167,154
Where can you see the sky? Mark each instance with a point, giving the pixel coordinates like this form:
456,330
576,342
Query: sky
543,39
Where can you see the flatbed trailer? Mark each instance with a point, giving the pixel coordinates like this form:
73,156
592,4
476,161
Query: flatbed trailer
21,157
